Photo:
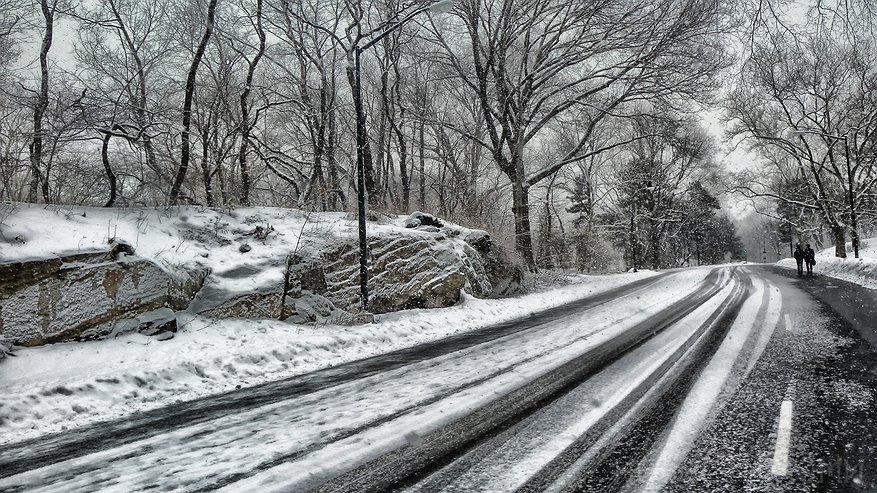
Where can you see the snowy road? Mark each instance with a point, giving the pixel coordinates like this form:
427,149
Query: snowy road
636,389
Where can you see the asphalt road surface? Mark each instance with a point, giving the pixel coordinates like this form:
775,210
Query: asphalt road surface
749,379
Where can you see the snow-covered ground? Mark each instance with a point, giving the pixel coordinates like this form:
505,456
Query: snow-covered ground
55,387
529,356
861,271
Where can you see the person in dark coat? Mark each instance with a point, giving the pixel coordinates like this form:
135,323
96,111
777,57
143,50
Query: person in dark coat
799,259
809,259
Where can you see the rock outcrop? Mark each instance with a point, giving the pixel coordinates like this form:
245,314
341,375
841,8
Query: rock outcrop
105,293
415,269
76,297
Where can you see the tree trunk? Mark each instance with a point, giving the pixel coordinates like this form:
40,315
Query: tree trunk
474,173
44,185
246,125
547,258
403,172
655,245
111,177
42,102
439,186
334,180
633,242
223,189
187,103
521,211
397,125
205,164
380,159
840,240
520,205
313,191
422,169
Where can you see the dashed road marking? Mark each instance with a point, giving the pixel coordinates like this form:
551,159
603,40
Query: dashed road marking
784,438
788,322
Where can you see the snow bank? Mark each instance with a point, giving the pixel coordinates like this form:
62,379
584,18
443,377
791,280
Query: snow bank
177,237
861,271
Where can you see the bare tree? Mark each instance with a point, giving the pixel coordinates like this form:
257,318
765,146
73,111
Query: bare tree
14,165
13,141
39,176
189,94
533,61
807,98
246,112
122,47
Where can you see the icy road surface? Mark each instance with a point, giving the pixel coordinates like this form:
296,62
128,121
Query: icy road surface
636,390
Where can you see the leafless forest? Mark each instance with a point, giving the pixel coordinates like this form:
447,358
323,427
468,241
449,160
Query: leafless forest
572,129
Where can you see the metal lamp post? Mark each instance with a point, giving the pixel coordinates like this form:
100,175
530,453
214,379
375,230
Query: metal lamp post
854,232
440,6
360,181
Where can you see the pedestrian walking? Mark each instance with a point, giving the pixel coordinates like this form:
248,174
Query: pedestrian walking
799,259
809,259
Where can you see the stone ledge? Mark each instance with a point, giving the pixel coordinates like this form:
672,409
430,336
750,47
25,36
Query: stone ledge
76,297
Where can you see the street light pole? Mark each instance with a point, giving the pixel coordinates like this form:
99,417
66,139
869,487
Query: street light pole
360,180
439,6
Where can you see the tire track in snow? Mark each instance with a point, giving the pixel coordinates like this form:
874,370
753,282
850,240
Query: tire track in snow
604,460
757,320
21,456
405,466
543,442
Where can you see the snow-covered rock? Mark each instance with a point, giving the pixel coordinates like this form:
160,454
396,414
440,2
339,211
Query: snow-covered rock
261,303
256,263
408,269
76,297
418,219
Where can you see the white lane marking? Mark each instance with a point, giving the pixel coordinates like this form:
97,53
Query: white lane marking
784,437
788,322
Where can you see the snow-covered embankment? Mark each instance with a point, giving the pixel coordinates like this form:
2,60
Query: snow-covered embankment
861,271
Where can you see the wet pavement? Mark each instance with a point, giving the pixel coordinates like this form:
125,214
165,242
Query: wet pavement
823,360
